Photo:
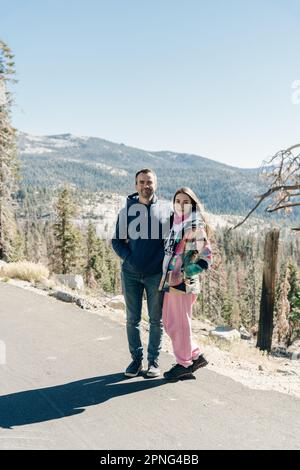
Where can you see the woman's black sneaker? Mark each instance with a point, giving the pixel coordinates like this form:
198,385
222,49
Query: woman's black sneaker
177,371
198,363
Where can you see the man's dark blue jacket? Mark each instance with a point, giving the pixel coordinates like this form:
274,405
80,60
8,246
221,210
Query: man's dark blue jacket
140,233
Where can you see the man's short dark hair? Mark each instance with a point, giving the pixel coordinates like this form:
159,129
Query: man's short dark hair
145,170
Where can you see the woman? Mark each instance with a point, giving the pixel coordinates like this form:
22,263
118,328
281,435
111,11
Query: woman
187,253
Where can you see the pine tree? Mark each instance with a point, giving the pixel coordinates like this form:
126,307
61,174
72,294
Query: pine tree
253,289
10,239
283,307
210,301
294,299
116,270
93,256
106,278
231,306
50,243
34,241
68,237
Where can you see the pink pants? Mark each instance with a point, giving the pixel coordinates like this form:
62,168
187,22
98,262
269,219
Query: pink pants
177,315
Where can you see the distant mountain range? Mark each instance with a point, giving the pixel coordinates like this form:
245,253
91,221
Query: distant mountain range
92,164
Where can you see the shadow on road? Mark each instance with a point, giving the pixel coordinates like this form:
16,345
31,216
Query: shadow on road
44,404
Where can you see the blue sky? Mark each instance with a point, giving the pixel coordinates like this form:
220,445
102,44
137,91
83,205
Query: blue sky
209,78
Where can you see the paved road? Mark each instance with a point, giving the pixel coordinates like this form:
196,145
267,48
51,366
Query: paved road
62,387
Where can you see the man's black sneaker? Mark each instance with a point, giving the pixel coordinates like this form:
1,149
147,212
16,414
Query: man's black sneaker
134,368
198,363
153,369
177,372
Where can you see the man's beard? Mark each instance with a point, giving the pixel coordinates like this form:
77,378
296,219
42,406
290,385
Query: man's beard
147,193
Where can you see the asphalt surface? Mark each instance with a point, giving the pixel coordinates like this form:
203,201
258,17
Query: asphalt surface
62,387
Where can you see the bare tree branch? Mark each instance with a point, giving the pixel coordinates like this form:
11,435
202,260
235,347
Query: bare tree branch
277,188
285,206
292,147
247,216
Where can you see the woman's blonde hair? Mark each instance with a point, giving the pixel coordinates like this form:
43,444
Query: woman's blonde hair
197,205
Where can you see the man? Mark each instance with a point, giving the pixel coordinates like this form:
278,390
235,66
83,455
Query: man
141,228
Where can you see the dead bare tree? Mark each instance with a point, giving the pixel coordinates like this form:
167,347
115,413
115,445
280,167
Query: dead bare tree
265,330
282,173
